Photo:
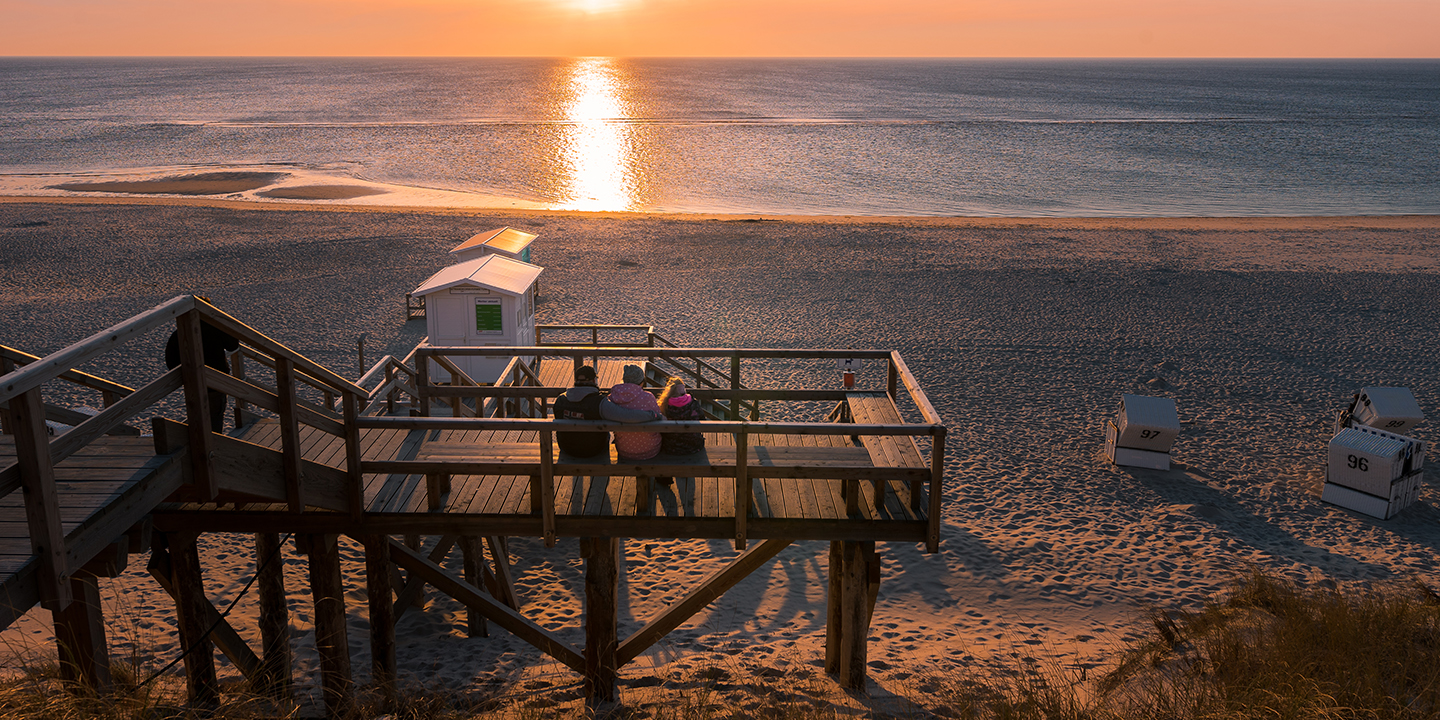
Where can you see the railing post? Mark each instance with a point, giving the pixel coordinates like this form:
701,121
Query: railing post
742,487
7,427
237,368
197,403
389,396
893,377
26,418
291,460
594,336
734,385
547,487
422,383
352,455
937,469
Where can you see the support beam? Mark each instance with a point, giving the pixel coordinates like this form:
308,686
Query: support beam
276,673
705,593
42,503
602,561
330,640
832,608
412,593
291,460
378,590
80,636
854,613
201,684
500,552
474,562
503,616
222,634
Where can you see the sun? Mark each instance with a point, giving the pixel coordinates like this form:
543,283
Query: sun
595,7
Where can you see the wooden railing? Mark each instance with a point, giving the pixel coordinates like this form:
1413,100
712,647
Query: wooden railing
897,375
697,372
37,454
109,391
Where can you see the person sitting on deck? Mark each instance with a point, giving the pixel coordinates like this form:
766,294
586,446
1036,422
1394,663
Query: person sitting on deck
678,404
585,402
215,345
632,446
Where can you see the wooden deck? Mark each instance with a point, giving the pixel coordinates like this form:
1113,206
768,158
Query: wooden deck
102,491
334,458
617,504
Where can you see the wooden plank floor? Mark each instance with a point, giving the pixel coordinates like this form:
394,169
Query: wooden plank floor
685,497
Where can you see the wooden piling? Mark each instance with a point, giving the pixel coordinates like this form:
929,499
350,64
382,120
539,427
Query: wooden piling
201,683
854,614
832,608
602,556
379,590
277,658
80,636
330,639
474,563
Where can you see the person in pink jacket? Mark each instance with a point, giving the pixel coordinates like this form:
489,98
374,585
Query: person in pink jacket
629,394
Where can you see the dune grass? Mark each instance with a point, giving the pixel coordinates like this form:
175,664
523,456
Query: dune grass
1268,649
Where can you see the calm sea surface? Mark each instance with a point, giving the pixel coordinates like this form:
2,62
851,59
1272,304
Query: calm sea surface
894,137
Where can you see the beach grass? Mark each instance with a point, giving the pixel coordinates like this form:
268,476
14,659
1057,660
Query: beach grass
1269,648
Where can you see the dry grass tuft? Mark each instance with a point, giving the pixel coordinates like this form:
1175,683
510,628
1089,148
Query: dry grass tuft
1271,649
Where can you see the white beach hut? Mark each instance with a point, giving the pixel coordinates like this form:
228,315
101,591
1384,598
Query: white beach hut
489,300
506,241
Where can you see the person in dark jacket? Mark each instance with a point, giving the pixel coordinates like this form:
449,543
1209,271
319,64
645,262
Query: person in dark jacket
585,402
216,345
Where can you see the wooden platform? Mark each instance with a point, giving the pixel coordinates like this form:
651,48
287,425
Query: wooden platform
100,490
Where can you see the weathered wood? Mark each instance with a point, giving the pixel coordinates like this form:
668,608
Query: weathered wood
260,395
698,598
937,469
742,488
833,604
378,590
854,616
291,458
162,568
276,670
547,488
190,602
602,557
256,471
353,452
412,592
704,426
93,428
39,372
422,385
501,615
319,373
197,404
42,502
330,635
500,553
922,402
80,636
473,561
10,358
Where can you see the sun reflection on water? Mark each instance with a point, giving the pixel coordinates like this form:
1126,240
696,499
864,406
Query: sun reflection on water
596,147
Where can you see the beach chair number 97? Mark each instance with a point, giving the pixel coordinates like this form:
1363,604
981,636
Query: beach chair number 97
1147,434
1359,463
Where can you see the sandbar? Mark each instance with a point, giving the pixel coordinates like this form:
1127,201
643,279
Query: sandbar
212,183
320,192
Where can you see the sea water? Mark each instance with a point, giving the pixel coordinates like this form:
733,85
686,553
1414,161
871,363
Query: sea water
796,136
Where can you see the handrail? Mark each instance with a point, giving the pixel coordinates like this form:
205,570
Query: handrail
648,352
275,348
83,379
48,368
658,426
384,363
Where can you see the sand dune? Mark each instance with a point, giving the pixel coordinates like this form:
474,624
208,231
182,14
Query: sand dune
1023,332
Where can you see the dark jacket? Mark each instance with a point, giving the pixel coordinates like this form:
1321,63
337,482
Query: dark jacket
214,343
580,403
683,443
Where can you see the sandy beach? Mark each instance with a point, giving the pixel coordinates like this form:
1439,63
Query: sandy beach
1024,332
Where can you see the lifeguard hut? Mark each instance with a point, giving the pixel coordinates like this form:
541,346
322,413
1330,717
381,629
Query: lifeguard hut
489,300
506,241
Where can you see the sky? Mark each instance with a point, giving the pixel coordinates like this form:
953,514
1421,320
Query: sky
707,28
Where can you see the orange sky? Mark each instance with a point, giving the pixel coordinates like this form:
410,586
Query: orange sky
946,28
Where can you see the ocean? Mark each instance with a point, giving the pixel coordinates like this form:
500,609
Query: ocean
771,136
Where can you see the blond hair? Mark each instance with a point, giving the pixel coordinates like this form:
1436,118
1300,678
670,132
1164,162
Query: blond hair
674,387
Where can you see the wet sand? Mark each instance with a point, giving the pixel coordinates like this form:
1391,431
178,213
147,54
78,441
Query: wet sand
1024,332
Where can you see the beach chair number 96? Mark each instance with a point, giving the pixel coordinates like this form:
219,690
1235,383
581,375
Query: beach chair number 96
1147,434
1359,463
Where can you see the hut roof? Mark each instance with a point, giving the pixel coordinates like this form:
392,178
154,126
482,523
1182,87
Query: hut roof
492,272
505,239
